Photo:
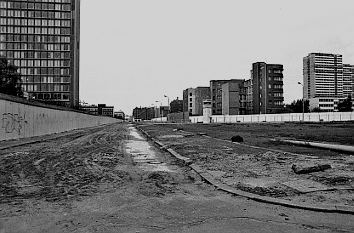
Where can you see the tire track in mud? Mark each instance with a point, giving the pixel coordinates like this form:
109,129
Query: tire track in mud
60,171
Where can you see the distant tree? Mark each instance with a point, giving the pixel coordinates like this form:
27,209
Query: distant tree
345,105
296,106
10,79
176,106
317,109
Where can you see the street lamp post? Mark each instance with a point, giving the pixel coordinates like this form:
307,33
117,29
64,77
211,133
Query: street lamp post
168,102
168,106
303,102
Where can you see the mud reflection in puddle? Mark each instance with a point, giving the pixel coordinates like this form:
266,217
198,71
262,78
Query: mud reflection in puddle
143,154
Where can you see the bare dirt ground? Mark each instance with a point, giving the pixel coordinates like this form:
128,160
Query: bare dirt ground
261,170
110,179
258,134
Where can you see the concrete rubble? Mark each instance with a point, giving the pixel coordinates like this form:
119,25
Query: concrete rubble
304,168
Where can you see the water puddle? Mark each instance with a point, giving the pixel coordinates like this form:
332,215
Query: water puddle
144,154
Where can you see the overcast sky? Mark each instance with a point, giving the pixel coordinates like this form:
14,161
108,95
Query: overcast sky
133,52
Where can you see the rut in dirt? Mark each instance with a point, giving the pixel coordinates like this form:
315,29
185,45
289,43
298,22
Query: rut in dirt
57,171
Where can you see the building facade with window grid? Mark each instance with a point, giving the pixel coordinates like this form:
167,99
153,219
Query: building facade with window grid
323,75
42,38
327,81
193,100
267,88
348,80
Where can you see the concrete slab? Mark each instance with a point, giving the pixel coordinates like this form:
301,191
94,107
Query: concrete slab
306,186
260,182
172,136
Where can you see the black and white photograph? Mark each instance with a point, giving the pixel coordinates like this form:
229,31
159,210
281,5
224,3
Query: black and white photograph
176,116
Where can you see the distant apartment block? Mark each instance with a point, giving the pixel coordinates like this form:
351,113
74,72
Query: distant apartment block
119,115
91,109
100,109
144,113
233,98
42,38
105,110
267,88
216,94
327,81
323,75
193,100
348,80
261,94
249,96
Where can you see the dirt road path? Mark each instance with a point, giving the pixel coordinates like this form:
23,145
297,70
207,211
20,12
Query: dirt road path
111,179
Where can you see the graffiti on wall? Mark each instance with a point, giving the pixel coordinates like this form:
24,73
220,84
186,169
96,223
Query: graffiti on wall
13,122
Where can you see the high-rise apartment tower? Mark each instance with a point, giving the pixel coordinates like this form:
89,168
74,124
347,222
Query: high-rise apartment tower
348,81
323,75
327,81
267,88
42,38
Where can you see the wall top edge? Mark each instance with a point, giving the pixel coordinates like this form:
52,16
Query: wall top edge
39,104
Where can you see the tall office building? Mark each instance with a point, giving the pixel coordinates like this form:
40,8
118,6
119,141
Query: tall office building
267,88
42,38
326,80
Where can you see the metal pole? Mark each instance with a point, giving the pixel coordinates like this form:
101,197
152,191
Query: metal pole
168,105
303,102
303,108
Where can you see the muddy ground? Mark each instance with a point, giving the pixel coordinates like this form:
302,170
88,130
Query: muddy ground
261,170
110,179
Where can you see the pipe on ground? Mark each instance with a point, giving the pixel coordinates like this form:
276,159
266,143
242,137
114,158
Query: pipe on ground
344,148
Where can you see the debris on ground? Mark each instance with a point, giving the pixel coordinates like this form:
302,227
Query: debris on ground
201,134
309,168
237,138
290,174
157,184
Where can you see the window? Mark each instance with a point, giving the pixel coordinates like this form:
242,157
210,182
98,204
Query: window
278,103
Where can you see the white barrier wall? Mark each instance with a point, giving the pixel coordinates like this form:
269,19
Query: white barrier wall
160,119
21,120
288,117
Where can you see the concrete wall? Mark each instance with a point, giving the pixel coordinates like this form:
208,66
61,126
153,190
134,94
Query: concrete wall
177,117
288,117
160,119
20,119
